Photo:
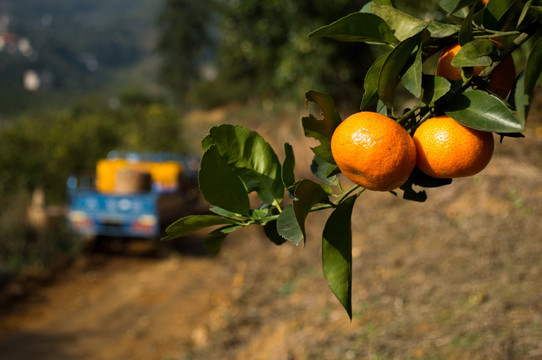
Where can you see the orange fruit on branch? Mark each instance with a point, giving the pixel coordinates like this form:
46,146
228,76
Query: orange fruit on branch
373,151
448,149
501,80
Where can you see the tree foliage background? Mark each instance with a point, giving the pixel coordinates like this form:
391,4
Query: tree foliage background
258,50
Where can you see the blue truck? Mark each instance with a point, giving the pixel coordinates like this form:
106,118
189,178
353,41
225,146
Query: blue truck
133,195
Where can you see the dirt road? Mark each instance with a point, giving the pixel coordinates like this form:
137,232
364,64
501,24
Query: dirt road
116,307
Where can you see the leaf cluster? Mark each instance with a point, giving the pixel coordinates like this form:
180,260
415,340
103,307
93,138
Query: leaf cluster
237,161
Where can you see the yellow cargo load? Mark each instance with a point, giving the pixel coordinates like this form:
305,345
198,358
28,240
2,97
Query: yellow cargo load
112,173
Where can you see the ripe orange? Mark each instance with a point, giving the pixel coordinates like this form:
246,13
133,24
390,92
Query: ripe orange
373,151
501,80
448,149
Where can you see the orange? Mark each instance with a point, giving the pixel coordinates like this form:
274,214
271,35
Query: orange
501,80
373,151
448,149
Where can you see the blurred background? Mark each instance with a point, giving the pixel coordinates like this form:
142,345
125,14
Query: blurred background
457,276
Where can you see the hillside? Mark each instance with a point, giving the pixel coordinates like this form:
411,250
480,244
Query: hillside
72,47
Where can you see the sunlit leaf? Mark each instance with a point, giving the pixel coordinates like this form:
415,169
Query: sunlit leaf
291,222
480,110
370,84
405,25
337,253
324,171
322,129
189,224
476,53
434,87
441,30
394,67
412,79
288,227
220,185
364,27
400,23
252,158
308,194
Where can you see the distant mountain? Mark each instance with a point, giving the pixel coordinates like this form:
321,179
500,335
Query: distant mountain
74,46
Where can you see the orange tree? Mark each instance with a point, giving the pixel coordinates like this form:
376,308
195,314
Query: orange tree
237,161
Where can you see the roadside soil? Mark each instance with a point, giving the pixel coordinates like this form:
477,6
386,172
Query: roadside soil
456,277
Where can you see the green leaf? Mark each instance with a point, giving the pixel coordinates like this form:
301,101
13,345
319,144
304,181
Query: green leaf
480,110
495,13
220,185
526,82
405,25
394,67
476,53
536,12
252,158
291,222
191,223
213,242
461,4
308,194
271,232
523,15
362,27
434,87
261,214
288,177
381,108
412,79
453,7
324,171
288,226
385,2
223,212
337,253
323,129
465,33
402,24
440,30
370,84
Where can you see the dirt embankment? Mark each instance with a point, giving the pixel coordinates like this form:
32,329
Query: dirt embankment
456,277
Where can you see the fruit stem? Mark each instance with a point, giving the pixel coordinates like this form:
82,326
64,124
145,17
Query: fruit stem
425,117
348,192
405,118
509,49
